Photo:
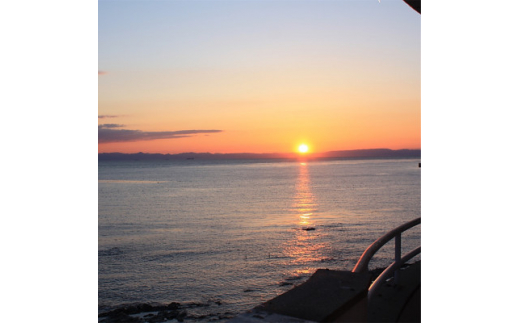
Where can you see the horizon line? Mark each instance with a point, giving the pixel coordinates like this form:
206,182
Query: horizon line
263,153
353,153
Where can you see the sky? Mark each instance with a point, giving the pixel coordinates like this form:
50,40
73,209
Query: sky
469,68
258,76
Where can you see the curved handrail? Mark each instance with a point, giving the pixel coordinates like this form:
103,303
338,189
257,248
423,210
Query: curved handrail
390,270
362,264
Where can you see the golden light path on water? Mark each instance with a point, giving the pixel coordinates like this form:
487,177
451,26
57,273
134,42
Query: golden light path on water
304,248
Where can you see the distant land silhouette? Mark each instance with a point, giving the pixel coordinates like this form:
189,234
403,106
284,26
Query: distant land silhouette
359,153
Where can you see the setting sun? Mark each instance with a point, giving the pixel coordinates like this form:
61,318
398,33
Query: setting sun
303,148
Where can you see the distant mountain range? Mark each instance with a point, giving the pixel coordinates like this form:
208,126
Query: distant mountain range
360,153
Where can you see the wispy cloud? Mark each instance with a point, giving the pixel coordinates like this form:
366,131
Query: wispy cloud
109,133
106,116
101,72
110,125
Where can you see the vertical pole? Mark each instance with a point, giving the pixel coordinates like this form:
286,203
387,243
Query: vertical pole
397,257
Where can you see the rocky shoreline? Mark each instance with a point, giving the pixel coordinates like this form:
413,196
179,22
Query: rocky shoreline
148,313
154,313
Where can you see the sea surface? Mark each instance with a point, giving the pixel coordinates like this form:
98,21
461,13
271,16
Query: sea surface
226,236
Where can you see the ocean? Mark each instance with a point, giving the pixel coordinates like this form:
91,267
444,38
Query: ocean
221,237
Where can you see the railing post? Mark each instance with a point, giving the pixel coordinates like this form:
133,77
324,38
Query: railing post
362,264
397,257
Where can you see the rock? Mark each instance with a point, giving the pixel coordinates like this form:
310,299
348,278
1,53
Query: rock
173,306
120,317
144,308
195,304
182,315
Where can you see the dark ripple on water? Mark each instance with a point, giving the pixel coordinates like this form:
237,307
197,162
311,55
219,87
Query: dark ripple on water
115,251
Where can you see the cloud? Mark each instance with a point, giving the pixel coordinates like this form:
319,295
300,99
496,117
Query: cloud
106,116
110,125
109,133
101,72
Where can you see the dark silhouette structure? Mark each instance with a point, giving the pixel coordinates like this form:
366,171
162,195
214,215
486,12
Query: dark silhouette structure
415,4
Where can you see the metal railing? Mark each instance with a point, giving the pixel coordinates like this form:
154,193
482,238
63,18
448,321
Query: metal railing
362,264
393,268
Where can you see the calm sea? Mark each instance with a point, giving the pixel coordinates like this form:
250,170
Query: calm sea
231,234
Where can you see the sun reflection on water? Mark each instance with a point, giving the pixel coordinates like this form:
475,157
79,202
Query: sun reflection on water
304,247
304,203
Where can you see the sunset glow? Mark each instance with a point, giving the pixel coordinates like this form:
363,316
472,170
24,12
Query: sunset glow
258,76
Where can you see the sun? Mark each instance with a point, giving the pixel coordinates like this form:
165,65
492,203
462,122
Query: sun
303,148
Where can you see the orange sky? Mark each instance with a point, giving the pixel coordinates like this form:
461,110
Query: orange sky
258,77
